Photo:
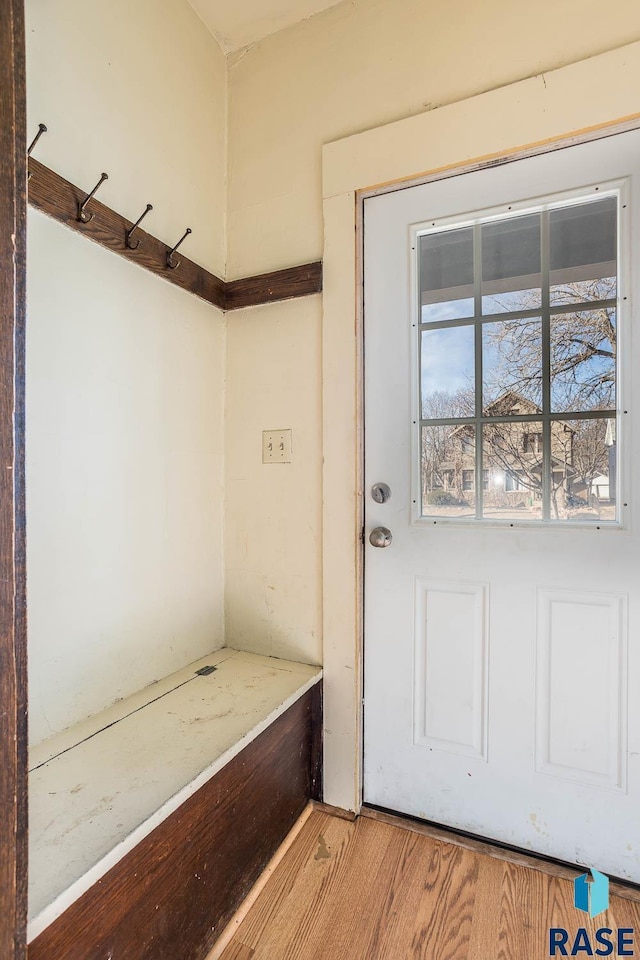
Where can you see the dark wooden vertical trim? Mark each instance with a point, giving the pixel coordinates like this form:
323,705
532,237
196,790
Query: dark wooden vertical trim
13,682
316,784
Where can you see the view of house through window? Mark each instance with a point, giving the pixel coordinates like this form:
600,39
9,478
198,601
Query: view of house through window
517,346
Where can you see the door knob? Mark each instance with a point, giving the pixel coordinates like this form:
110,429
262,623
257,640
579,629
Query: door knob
380,537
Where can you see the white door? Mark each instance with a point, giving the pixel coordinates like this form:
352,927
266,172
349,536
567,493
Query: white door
502,629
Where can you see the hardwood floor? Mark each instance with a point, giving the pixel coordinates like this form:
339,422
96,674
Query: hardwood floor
369,890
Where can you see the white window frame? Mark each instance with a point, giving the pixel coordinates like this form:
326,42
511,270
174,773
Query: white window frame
619,188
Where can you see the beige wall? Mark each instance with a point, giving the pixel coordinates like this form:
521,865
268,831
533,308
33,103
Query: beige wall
356,66
139,90
125,379
143,97
369,62
273,544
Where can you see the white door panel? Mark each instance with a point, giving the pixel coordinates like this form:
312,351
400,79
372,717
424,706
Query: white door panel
502,656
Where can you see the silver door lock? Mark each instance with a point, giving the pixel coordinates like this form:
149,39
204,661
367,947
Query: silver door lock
380,537
381,492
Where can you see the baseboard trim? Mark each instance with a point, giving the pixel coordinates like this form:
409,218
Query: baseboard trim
230,930
334,811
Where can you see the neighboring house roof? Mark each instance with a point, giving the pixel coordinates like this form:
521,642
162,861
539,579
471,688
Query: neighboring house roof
511,403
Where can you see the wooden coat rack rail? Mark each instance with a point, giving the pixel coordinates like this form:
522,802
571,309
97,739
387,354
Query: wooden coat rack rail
55,196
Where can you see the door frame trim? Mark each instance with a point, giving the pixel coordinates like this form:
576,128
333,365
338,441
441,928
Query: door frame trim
584,101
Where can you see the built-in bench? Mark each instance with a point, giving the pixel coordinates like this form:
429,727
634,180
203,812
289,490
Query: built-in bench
150,821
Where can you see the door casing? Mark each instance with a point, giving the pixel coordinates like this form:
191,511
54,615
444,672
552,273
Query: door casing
578,103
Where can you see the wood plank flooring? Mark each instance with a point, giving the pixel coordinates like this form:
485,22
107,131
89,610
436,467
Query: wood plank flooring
368,890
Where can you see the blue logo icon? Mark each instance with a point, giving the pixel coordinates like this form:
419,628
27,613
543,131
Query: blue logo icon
591,894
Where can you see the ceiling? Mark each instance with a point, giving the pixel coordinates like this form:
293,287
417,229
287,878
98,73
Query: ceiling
236,23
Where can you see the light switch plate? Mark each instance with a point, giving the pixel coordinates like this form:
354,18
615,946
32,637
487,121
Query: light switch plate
276,446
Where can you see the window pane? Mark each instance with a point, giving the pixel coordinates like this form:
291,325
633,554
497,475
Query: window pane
583,360
512,367
583,240
448,372
583,479
545,467
448,471
513,460
511,277
446,275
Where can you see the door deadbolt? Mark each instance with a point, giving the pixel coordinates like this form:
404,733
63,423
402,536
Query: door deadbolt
380,537
381,492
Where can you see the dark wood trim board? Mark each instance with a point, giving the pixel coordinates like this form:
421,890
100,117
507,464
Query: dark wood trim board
317,711
58,198
172,896
286,284
13,645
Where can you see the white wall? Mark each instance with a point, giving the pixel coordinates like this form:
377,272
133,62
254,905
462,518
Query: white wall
125,376
357,66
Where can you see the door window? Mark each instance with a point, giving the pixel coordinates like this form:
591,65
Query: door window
518,332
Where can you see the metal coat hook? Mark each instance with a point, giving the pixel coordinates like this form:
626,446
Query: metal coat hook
83,216
171,263
42,128
129,233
